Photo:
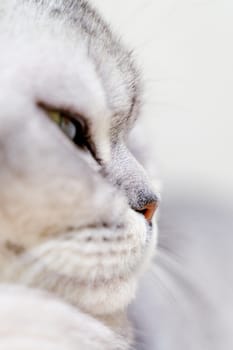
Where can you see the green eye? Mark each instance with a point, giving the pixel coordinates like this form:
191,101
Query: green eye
75,126
66,124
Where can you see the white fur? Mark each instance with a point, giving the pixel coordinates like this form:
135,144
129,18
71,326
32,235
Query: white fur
63,227
36,320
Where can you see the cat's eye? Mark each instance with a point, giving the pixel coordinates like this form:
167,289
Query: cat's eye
73,127
65,124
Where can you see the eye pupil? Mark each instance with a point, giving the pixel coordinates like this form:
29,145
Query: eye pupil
68,128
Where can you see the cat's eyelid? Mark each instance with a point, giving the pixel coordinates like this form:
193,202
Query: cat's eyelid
90,146
69,113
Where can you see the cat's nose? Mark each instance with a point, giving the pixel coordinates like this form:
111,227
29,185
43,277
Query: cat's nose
149,209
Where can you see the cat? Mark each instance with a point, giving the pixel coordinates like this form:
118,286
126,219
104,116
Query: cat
76,207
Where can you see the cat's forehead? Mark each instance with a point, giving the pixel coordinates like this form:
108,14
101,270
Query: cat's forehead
114,63
74,23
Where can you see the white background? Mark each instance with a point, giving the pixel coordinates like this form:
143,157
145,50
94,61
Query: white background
185,48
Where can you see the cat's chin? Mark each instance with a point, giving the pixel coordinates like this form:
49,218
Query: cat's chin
96,269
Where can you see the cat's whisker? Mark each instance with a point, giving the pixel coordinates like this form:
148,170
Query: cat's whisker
163,280
156,103
162,80
140,334
167,254
135,14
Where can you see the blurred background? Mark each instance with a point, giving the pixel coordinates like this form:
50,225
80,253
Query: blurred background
185,50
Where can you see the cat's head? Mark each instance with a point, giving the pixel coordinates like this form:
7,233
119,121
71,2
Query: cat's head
75,205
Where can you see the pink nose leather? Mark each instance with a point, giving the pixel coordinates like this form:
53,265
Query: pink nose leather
149,210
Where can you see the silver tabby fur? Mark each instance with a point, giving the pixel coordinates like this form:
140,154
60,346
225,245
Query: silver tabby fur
73,246
70,221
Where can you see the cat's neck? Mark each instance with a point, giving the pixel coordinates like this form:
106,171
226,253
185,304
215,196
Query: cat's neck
120,324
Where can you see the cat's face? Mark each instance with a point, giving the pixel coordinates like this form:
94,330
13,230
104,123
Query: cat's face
75,208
